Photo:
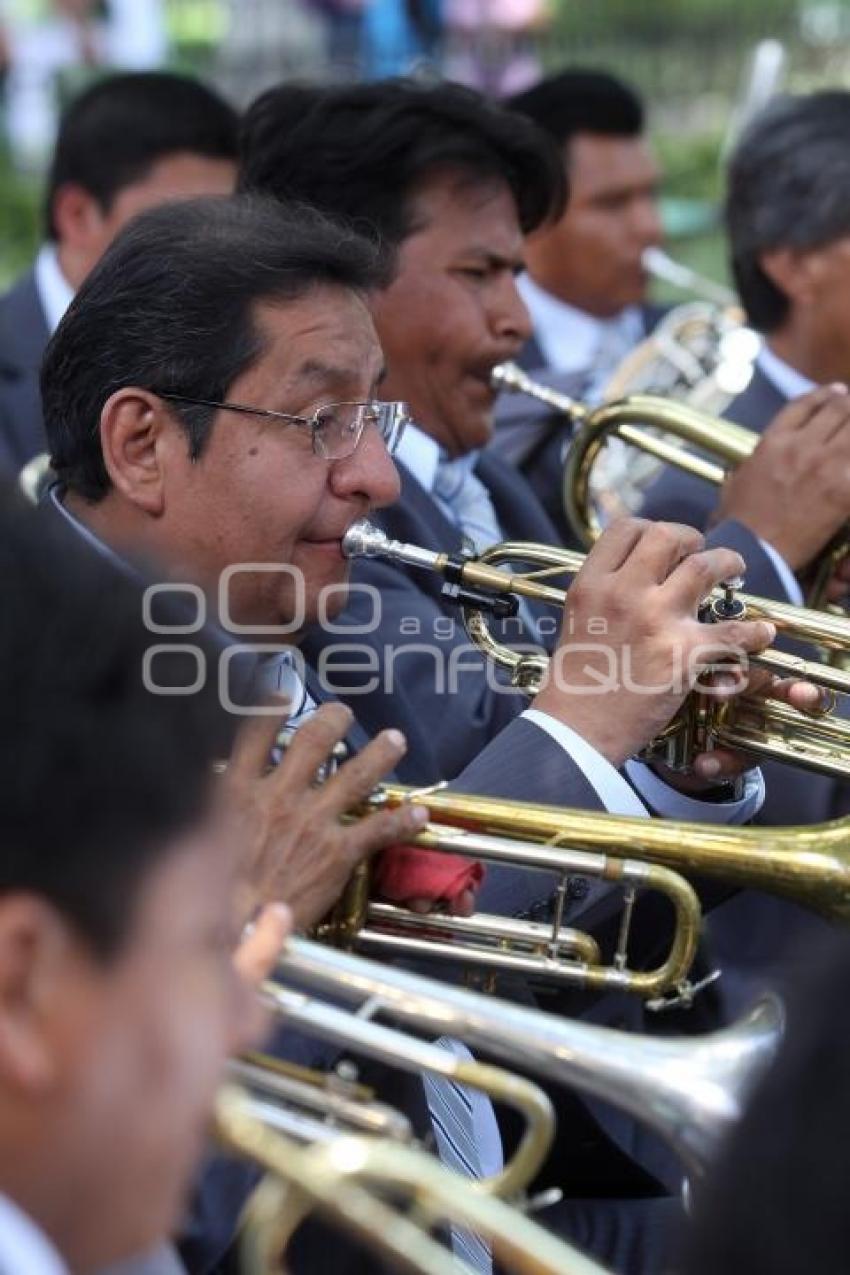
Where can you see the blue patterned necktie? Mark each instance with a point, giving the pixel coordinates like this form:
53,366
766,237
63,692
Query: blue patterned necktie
467,502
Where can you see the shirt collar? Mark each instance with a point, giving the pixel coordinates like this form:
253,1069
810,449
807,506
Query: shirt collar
421,454
85,533
570,338
24,1246
54,290
782,375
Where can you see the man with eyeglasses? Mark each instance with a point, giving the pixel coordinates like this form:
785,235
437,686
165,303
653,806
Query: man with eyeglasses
212,305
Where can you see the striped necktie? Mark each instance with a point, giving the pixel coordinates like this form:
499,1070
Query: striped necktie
464,1122
468,1142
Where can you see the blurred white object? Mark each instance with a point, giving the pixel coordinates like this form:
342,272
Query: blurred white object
763,79
135,34
43,42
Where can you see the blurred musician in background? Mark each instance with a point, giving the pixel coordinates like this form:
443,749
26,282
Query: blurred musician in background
119,998
584,284
788,221
128,143
787,216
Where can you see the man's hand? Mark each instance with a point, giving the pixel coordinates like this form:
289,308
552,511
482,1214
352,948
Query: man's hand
631,646
292,843
794,491
261,944
723,764
839,584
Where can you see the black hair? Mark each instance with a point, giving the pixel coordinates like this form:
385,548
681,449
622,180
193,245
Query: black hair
364,152
788,186
113,133
170,308
775,1202
100,776
581,101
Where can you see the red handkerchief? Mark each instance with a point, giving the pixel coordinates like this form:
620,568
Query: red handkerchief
406,872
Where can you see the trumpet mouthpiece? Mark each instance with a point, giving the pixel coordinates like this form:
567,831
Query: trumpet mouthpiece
363,540
509,376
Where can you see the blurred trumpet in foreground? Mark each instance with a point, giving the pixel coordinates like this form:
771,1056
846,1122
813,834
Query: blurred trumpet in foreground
768,728
688,1090
282,1086
350,1180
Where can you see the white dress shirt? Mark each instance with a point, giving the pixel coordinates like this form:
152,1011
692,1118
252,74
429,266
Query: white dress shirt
24,1248
572,340
420,454
782,375
54,291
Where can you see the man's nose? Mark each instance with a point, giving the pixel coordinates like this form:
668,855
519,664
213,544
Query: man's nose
369,474
511,320
647,225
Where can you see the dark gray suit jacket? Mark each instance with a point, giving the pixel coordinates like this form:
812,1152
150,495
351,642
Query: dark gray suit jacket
23,338
679,497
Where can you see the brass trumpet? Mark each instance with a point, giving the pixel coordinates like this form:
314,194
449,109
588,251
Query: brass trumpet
810,865
546,953
345,1179
635,420
763,726
628,419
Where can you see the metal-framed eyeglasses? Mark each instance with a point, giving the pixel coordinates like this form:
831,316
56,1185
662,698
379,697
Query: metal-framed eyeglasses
335,429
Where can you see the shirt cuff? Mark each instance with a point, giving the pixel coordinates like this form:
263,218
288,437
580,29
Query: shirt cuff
672,804
787,579
616,795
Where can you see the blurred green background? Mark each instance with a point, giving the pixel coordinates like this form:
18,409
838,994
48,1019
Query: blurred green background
691,59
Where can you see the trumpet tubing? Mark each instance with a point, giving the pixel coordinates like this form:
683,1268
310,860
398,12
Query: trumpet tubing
549,953
771,729
345,1179
417,1056
809,864
634,419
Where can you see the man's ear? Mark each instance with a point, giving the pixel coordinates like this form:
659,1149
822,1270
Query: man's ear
35,948
793,271
77,217
137,436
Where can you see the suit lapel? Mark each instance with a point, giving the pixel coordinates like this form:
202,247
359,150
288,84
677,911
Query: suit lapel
758,404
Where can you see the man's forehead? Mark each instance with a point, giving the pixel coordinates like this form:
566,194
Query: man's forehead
324,329
477,212
598,162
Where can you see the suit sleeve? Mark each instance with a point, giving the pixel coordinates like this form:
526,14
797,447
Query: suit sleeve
398,660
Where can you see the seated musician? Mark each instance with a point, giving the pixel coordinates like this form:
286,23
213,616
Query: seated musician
119,999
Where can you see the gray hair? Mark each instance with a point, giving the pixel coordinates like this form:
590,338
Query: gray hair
788,186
